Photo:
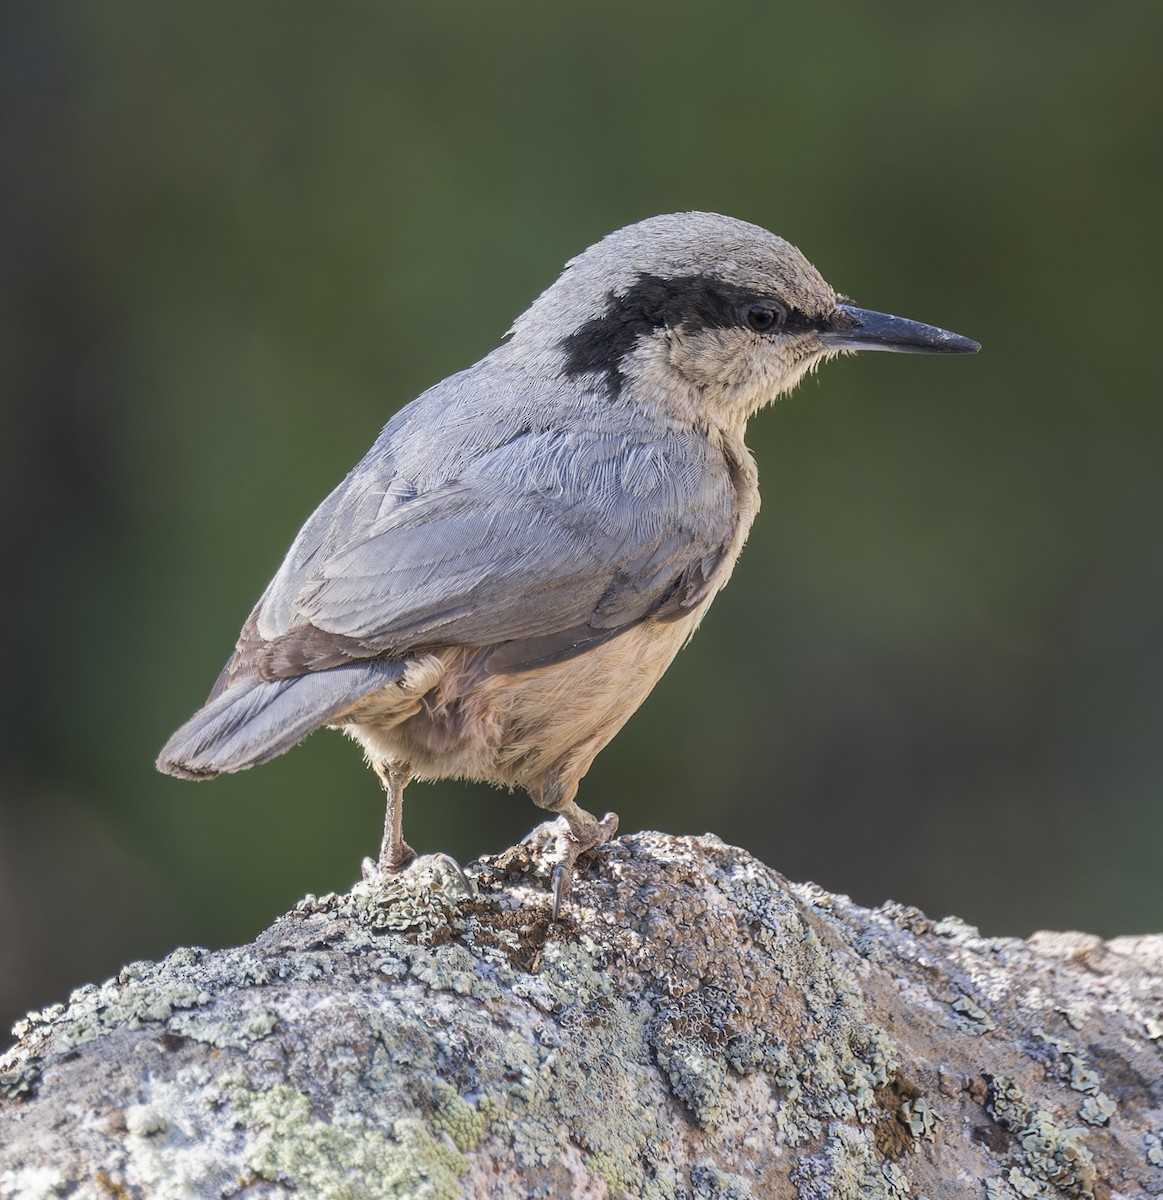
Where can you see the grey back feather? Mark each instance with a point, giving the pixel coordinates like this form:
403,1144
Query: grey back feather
490,527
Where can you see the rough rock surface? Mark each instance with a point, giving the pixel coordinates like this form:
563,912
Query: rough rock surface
695,1027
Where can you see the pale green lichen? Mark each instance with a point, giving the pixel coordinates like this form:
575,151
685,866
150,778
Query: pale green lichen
1056,1044
395,1041
971,1017
1098,1107
228,1031
452,1114
849,1168
609,1170
343,1159
696,1078
1082,1079
713,1183
452,970
420,903
1054,1162
21,1082
918,1117
138,996
623,1182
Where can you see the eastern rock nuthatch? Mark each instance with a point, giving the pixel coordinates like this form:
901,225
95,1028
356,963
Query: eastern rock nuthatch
496,587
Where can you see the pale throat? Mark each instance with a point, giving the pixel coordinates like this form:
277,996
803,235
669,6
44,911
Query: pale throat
709,380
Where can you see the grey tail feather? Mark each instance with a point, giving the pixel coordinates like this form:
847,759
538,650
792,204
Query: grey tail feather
254,721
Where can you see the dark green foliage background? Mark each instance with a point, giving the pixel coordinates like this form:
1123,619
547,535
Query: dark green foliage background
234,238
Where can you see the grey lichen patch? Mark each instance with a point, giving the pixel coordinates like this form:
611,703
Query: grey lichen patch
20,1083
1052,1045
918,1117
841,1055
575,970
175,1144
972,1017
230,1031
423,904
907,917
593,1066
801,1022
957,929
696,1077
1053,1162
1073,1019
450,969
142,993
849,1168
711,1183
1097,1107
1153,1144
693,1027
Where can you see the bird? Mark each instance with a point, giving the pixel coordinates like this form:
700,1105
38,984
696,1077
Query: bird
497,586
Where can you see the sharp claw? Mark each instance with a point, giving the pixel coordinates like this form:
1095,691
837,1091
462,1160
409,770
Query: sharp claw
562,878
453,867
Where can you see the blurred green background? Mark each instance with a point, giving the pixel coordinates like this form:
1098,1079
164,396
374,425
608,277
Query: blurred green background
235,238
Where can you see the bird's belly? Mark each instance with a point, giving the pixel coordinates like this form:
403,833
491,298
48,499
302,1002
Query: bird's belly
525,729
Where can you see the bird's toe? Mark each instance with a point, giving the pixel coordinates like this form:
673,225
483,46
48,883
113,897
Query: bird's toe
565,841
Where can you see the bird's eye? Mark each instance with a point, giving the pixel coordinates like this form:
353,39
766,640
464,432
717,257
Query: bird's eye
763,318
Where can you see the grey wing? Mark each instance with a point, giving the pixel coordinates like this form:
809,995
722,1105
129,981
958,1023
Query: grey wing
540,547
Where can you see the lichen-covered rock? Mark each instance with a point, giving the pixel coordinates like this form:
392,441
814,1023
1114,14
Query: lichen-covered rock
694,1027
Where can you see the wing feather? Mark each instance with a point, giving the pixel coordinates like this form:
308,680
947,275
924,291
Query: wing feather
555,538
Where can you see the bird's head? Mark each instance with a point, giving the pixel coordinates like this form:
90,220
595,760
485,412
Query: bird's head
706,316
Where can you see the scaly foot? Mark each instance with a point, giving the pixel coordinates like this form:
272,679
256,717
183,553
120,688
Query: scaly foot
562,842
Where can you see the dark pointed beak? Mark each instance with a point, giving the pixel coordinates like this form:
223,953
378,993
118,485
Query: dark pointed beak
879,331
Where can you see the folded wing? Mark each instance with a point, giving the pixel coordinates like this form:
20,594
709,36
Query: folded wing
547,540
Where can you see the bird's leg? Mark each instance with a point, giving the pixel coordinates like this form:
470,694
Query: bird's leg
395,853
576,832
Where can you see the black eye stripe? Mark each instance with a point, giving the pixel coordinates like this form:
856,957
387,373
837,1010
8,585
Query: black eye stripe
687,302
